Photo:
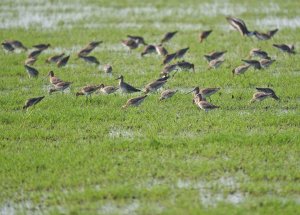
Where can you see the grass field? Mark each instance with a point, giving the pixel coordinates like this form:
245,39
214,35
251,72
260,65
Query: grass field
69,156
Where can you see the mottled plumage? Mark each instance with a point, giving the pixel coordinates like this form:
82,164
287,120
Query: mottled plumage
131,44
215,63
108,89
30,61
167,94
240,69
239,25
35,53
138,39
53,79
41,46
135,101
60,86
168,58
88,90
259,96
161,50
202,104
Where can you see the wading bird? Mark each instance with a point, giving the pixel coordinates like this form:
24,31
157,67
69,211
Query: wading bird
32,101
135,101
167,94
203,35
168,36
126,88
239,25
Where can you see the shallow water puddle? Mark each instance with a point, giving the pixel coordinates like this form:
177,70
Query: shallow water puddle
112,208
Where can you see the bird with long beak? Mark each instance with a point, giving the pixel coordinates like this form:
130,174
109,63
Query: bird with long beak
126,88
60,86
290,49
87,91
205,92
108,89
259,96
135,101
202,104
53,79
269,91
258,53
239,25
90,59
180,53
32,101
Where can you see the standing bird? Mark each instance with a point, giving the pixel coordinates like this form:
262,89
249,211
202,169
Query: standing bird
87,91
108,89
184,65
203,35
53,79
180,53
167,94
63,61
42,46
161,50
55,58
138,39
269,91
126,88
168,58
214,55
32,101
259,96
254,63
240,69
239,25
108,68
155,85
168,36
285,48
148,50
131,44
60,86
205,92
32,72
202,104
90,59
7,46
134,101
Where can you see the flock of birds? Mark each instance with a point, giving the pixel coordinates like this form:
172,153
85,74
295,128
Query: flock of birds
215,59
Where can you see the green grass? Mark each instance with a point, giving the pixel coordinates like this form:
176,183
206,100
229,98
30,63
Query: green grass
67,156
